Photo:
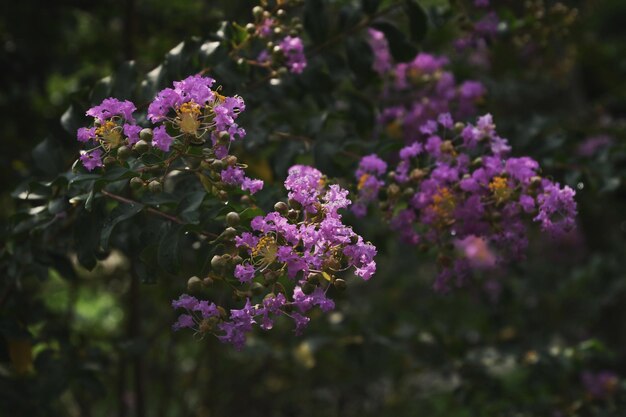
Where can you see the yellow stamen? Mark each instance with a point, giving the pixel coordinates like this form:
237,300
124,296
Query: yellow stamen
266,249
500,189
362,181
443,205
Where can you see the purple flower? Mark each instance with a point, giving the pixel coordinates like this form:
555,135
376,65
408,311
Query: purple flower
185,301
304,184
600,385
293,49
160,139
111,107
380,48
91,159
132,132
85,134
557,209
185,321
244,273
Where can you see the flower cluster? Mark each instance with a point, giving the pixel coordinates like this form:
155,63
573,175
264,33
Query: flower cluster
600,385
283,43
456,184
113,128
418,91
190,114
302,245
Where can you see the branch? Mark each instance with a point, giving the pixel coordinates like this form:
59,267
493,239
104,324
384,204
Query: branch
154,211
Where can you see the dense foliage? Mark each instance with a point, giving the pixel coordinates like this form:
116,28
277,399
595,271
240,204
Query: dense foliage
422,200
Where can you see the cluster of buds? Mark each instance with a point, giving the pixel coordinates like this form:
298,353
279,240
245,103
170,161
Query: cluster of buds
285,263
278,34
458,184
193,125
418,91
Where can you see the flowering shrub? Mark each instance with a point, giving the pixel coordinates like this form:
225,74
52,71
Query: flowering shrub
363,170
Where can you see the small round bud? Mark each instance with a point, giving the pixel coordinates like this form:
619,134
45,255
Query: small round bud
109,160
278,31
447,147
315,278
227,258
229,233
267,14
417,174
222,195
232,218
250,28
294,204
136,183
277,50
237,259
256,288
146,134
408,192
477,162
281,12
194,284
245,199
155,186
217,165
257,11
393,190
281,207
293,214
123,153
230,160
223,137
459,126
269,46
142,147
307,288
208,281
340,284
282,71
217,262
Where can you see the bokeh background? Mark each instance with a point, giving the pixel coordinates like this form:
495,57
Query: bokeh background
518,342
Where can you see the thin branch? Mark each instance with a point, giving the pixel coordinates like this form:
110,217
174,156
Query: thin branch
154,211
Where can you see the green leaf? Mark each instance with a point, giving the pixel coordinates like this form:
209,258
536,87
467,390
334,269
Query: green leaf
316,21
401,49
418,20
189,205
48,157
370,6
168,256
120,213
87,238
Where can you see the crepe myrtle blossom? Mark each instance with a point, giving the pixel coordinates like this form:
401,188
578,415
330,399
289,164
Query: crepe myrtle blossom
458,188
296,253
417,92
293,50
234,175
113,126
198,114
600,385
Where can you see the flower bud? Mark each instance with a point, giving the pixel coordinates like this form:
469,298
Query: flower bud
217,165
237,259
229,234
257,11
230,160
393,190
269,46
109,160
136,183
256,288
145,134
447,147
281,12
208,281
194,284
307,288
281,207
142,146
223,137
222,195
293,214
155,186
217,262
459,126
294,204
477,162
416,175
232,218
340,284
278,30
277,50
315,278
123,153
250,28
408,192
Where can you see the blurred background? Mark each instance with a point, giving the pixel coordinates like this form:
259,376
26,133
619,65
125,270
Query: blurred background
544,337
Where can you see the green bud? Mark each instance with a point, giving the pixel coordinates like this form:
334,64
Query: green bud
308,288
281,207
146,134
229,233
458,127
194,284
155,186
281,12
257,11
208,281
217,262
294,204
232,218
237,259
293,214
256,288
409,192
245,199
136,183
278,31
217,165
222,195
142,147
123,153
223,137
250,28
230,160
109,160
340,284
269,46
